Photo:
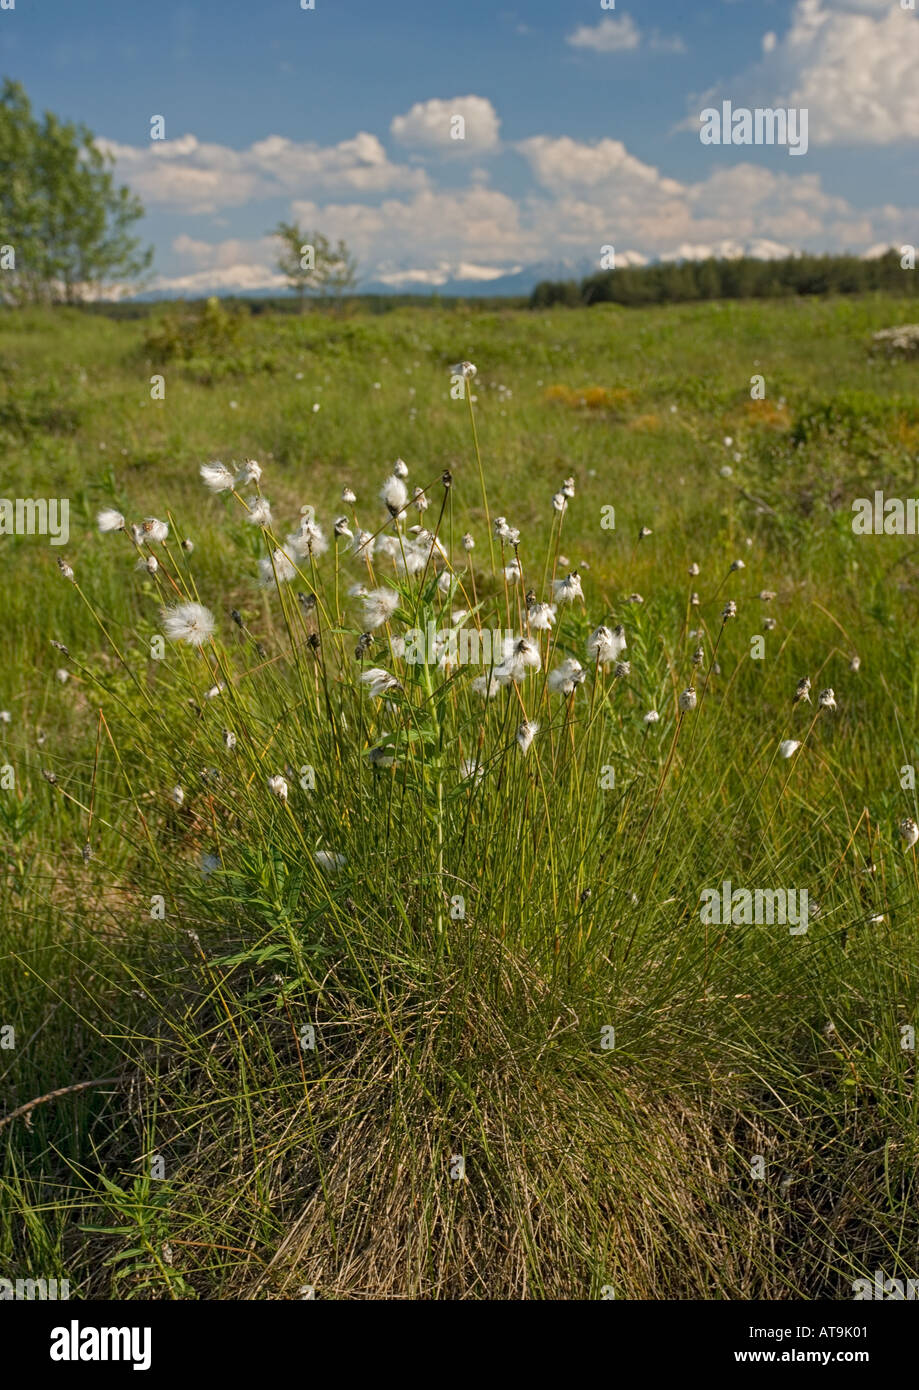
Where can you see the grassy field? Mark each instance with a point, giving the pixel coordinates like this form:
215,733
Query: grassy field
383,993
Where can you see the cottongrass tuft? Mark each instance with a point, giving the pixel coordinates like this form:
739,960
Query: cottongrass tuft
541,616
568,589
250,472
909,832
308,541
379,606
604,646
260,512
379,682
189,622
566,678
520,655
277,564
394,495
217,476
488,686
154,530
526,734
277,785
108,519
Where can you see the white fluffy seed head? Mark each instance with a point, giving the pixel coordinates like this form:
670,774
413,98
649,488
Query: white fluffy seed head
394,494
526,734
250,472
109,520
604,646
379,606
541,616
363,545
308,541
489,685
379,682
277,565
260,512
566,678
568,589
278,787
216,476
188,622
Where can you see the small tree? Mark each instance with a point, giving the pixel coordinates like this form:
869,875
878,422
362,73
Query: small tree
302,259
60,211
341,272
309,264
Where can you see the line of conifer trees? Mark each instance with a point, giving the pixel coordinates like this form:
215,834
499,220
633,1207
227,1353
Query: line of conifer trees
743,278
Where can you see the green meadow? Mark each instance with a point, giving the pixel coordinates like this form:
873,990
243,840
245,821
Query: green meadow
362,985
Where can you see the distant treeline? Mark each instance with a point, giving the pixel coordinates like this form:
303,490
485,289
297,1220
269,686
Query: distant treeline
746,278
287,304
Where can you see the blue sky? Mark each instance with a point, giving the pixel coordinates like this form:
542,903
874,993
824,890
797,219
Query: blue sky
582,126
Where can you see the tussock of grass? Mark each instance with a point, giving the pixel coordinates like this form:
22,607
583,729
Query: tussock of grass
461,969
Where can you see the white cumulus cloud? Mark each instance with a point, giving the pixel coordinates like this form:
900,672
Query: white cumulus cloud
429,125
622,36
609,36
853,64
196,177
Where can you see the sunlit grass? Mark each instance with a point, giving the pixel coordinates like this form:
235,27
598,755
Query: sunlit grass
495,912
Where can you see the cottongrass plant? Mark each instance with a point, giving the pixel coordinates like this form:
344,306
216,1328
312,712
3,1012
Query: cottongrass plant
378,898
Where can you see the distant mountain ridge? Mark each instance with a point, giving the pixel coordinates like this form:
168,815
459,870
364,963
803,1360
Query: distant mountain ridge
464,280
